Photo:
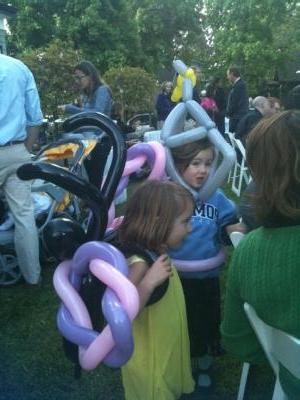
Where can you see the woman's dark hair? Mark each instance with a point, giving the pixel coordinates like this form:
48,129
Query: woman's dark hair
88,69
151,212
210,90
273,155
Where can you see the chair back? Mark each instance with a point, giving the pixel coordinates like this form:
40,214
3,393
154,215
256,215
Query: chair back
240,173
236,237
279,347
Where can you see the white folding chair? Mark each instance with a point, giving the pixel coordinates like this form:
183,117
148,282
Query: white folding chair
278,346
240,170
230,139
236,237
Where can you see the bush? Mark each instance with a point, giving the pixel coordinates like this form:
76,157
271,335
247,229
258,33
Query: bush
133,90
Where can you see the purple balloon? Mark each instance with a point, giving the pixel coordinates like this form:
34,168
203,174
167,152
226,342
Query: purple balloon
113,310
72,332
140,149
122,185
134,151
121,330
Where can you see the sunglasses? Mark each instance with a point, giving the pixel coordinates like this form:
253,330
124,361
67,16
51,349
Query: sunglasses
79,77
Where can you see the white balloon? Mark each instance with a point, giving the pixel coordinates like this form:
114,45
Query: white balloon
174,136
180,67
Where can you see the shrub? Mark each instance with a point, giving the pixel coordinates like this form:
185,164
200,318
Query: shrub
133,90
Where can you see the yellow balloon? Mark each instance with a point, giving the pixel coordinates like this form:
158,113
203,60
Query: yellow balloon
177,92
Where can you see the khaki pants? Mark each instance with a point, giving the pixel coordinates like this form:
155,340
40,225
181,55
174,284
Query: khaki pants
18,196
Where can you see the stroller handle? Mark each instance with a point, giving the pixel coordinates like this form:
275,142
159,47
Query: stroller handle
77,186
106,125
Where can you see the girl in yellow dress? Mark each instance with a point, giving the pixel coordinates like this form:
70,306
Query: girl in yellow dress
158,218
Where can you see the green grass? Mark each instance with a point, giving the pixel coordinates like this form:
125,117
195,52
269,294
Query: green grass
33,365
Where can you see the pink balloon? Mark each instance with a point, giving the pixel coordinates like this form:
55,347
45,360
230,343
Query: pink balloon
200,265
134,165
158,169
111,214
90,357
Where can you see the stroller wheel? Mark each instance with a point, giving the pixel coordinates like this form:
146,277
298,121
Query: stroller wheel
9,270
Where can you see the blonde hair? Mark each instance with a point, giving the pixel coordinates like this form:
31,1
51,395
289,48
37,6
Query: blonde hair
151,212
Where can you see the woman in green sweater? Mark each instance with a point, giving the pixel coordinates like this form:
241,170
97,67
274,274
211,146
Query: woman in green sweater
265,269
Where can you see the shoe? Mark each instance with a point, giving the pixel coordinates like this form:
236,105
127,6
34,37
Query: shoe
38,284
204,380
205,384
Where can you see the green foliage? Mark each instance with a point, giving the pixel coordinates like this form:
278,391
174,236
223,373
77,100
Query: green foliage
114,33
259,36
244,33
169,29
133,89
53,68
36,23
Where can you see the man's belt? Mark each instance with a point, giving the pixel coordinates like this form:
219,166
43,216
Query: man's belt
11,143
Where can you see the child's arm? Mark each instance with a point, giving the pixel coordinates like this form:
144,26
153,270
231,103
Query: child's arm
147,279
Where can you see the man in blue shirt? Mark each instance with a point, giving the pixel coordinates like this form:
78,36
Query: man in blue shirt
20,118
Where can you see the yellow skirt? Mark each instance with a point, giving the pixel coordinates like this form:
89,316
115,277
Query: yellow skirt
160,367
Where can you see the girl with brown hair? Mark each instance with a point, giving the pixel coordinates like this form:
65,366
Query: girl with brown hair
158,218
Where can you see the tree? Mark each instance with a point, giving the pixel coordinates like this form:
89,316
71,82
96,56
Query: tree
103,30
169,29
36,23
244,33
53,68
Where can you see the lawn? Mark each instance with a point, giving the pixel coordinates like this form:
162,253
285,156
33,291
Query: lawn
33,365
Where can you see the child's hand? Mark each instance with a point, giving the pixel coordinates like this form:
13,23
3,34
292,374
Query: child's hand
159,271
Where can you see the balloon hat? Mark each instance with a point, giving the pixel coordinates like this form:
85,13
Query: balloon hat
172,135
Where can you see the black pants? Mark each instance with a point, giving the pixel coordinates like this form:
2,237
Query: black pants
202,297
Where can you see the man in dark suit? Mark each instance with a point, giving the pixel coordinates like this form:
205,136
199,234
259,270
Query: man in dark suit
238,101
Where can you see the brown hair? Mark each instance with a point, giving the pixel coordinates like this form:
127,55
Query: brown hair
88,69
183,155
151,212
273,155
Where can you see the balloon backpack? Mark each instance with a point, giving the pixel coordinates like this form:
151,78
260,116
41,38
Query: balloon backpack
91,270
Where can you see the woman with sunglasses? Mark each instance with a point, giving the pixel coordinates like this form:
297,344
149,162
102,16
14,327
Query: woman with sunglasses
95,94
